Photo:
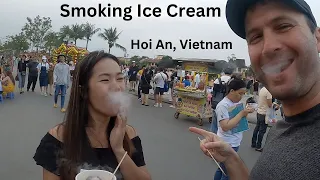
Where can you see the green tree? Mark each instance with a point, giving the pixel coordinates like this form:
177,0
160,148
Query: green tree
166,62
89,31
52,40
17,43
77,32
65,31
111,35
36,29
136,59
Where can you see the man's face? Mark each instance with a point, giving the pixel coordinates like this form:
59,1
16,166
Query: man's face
62,58
281,43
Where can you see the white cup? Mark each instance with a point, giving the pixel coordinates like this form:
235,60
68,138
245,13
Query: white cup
103,175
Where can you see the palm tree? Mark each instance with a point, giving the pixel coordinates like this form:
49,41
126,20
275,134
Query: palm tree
111,35
52,40
77,32
89,31
65,31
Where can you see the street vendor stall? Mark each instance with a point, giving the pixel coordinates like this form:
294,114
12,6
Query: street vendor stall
193,100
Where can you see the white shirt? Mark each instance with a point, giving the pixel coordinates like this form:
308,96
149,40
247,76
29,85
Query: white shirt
1,86
197,80
43,64
159,79
222,111
224,79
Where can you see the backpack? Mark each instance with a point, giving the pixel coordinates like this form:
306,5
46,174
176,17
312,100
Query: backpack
166,85
218,93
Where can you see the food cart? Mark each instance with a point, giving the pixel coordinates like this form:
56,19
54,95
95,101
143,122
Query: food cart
192,101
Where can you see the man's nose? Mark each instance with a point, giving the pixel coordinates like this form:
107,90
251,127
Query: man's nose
271,44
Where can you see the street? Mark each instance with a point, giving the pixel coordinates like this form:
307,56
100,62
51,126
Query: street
171,151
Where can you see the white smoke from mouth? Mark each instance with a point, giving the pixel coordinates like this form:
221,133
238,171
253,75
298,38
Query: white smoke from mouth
120,101
274,68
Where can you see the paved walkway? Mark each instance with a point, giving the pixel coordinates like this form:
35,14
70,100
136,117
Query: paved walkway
167,99
171,152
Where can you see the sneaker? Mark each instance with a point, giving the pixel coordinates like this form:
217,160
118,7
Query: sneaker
156,105
45,94
63,110
259,149
172,106
55,105
160,105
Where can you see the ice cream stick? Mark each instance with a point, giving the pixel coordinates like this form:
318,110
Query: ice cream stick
214,159
119,165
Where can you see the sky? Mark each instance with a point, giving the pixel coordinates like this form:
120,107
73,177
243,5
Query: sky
215,29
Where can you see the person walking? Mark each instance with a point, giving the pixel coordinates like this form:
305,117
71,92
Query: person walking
50,78
160,79
283,37
146,85
33,74
264,103
43,68
61,81
22,72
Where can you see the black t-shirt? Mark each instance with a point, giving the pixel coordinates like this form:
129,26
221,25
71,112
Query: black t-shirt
48,155
22,66
256,86
292,149
33,71
133,71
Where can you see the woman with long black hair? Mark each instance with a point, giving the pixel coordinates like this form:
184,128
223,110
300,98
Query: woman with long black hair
93,133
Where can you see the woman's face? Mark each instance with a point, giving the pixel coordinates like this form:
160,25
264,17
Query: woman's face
106,78
238,94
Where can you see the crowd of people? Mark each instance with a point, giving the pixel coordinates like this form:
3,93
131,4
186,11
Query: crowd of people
95,133
54,80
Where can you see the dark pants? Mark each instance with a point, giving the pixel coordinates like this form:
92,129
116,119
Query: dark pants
32,80
259,131
219,174
139,90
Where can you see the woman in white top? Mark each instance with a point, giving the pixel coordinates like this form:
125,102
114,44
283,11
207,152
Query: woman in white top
43,68
236,88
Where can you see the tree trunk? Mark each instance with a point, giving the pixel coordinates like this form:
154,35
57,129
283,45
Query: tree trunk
87,44
109,50
75,42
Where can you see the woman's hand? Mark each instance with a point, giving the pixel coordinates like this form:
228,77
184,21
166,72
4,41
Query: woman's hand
117,134
220,150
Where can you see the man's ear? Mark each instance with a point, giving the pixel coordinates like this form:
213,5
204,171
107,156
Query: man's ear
317,34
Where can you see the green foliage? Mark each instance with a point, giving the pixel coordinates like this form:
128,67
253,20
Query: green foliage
111,35
167,62
89,31
52,40
36,29
17,43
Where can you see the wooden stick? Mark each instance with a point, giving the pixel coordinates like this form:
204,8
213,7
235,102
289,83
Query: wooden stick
214,159
119,165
